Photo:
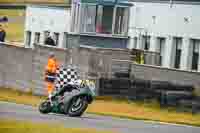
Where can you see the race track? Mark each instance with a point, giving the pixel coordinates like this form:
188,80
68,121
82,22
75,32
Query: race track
23,112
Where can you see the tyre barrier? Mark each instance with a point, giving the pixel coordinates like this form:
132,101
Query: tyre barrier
160,85
192,105
121,75
168,94
121,83
145,84
164,85
180,87
172,98
137,88
115,86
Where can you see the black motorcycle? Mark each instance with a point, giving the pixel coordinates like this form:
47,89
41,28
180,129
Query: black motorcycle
72,99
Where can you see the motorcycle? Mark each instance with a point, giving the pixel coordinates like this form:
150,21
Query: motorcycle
72,99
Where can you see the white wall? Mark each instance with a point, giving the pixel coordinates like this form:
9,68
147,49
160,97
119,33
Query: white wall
41,18
168,20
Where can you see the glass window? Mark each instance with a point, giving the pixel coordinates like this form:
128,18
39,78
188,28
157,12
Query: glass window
56,38
89,18
121,20
28,38
97,19
195,53
66,40
160,48
196,46
135,42
146,42
37,37
103,19
46,34
178,46
99,13
75,17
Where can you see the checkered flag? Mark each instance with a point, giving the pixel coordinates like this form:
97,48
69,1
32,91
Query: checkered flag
64,76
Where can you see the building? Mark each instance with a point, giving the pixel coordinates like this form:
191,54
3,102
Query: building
170,29
87,22
167,27
40,19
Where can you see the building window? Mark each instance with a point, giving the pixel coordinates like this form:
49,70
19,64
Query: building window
195,53
146,42
37,37
28,38
89,23
161,44
56,38
135,42
75,17
102,19
121,20
46,34
178,45
51,39
97,19
66,40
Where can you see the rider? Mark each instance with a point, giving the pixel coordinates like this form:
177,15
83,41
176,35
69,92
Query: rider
50,73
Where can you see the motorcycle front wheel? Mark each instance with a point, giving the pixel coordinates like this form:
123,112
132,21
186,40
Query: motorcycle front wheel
45,107
77,107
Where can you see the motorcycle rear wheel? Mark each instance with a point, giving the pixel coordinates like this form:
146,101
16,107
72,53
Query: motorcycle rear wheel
77,107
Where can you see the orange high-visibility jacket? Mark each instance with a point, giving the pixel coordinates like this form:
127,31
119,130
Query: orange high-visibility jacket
52,65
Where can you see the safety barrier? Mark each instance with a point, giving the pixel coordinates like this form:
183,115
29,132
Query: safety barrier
168,94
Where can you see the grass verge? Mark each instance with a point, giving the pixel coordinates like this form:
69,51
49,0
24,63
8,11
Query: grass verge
18,126
12,12
124,109
14,32
15,28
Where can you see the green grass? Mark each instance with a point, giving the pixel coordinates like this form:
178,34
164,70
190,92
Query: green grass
119,108
14,30
17,126
12,12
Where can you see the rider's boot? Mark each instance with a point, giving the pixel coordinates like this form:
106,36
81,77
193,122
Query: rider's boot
50,99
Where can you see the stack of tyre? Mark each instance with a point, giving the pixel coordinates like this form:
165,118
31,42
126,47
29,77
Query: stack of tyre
179,95
169,93
140,89
118,87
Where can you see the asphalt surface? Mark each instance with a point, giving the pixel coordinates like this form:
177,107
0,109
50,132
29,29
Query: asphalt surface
104,123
